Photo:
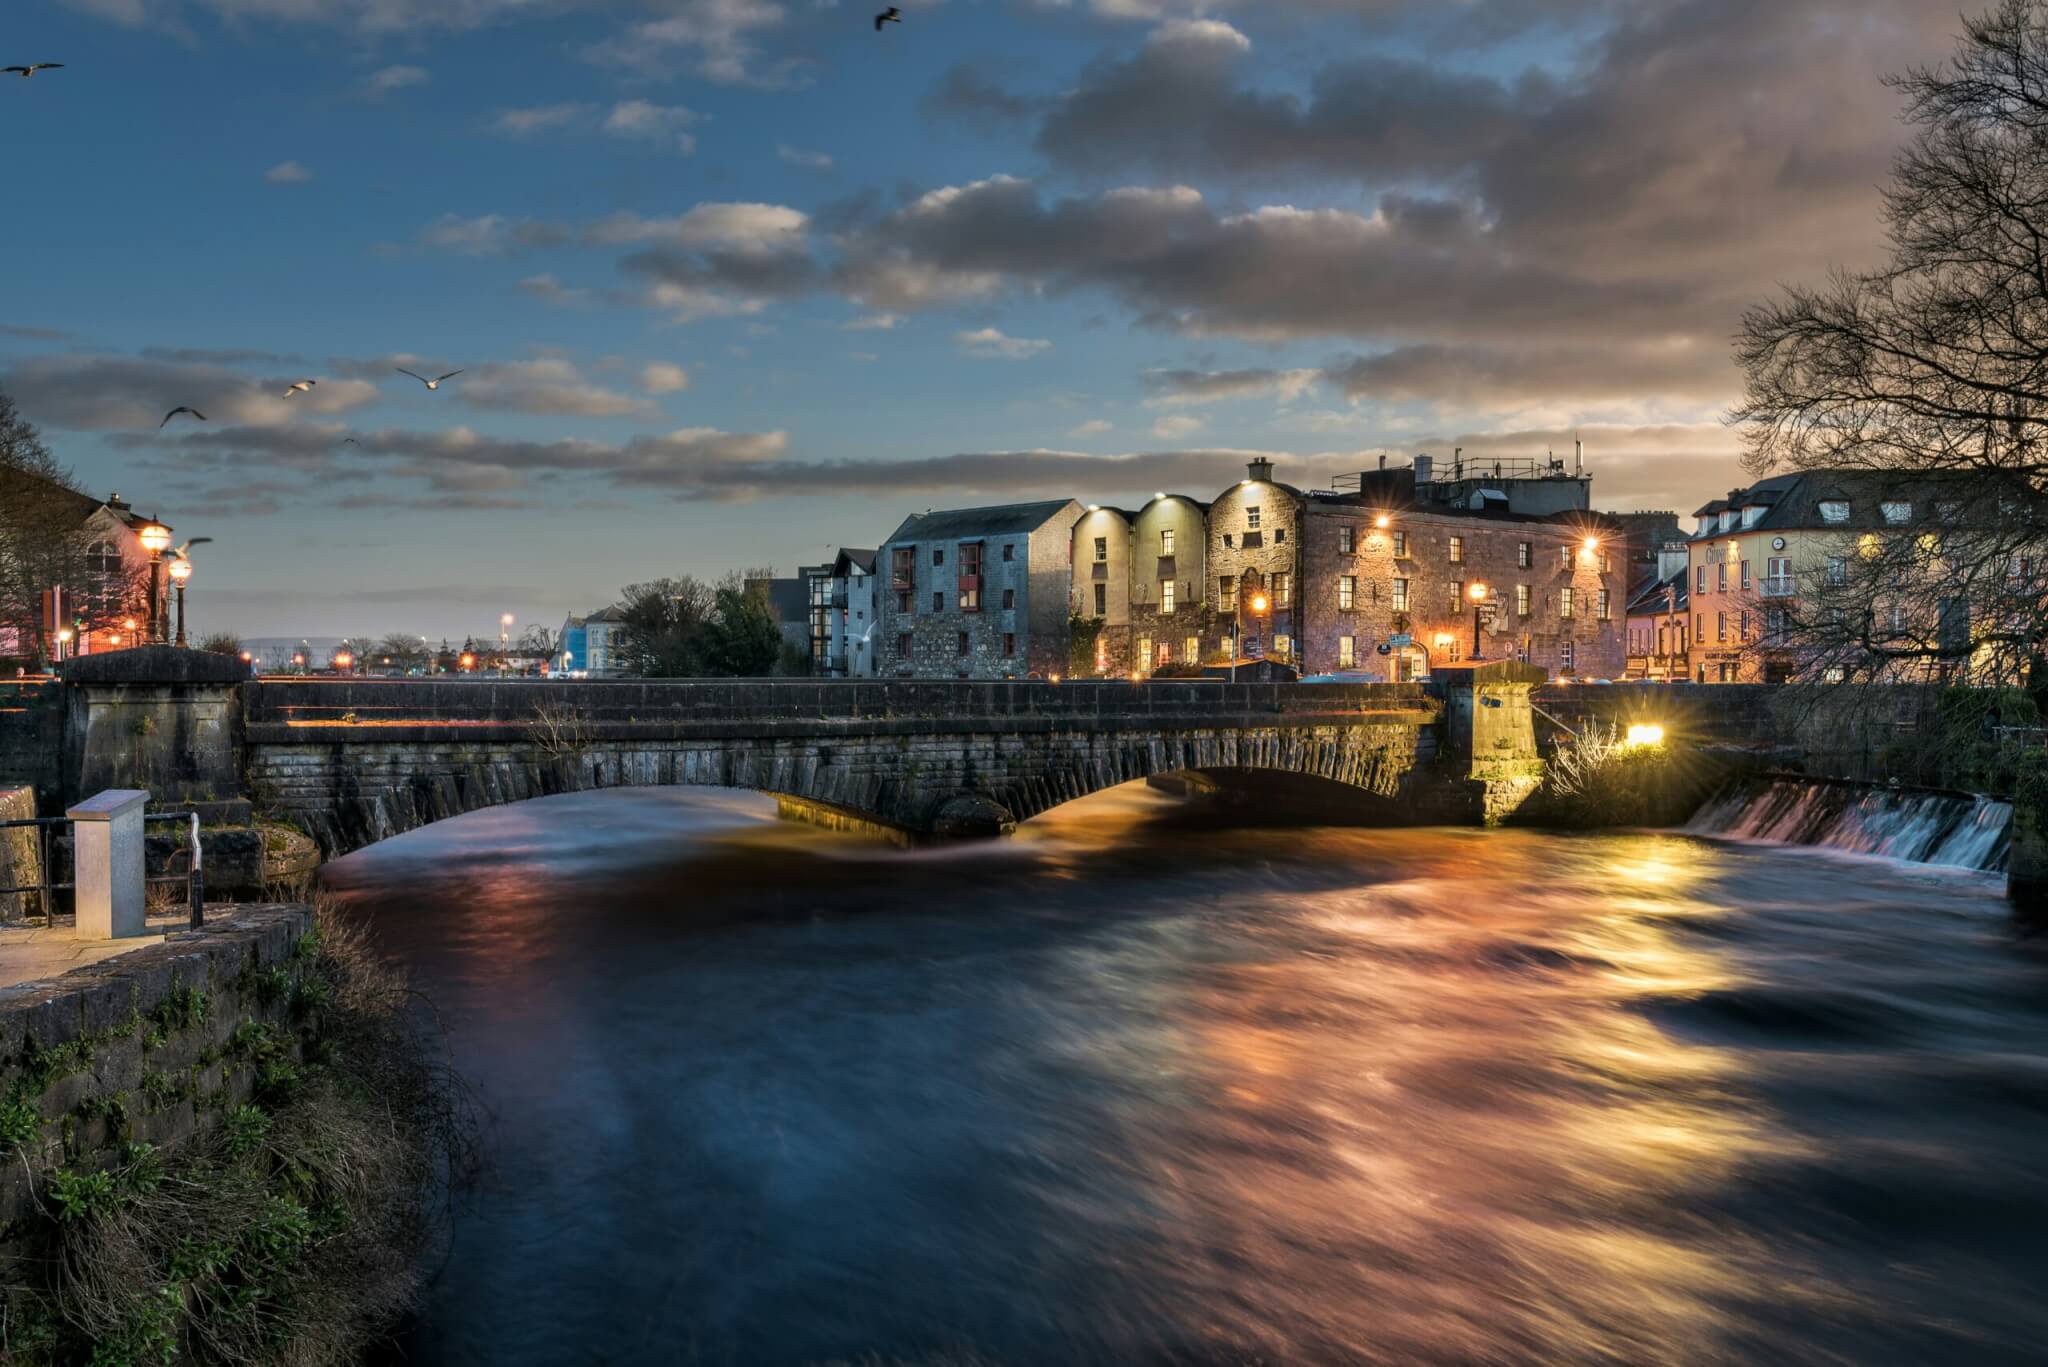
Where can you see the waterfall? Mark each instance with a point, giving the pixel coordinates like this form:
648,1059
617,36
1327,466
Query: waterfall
1920,825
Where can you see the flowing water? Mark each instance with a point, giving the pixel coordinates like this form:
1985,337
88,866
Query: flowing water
1919,825
1142,1087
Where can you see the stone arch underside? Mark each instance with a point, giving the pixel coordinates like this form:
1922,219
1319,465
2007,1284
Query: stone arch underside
352,795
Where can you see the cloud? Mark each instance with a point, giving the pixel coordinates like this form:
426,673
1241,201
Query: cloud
545,287
32,334
661,377
489,234
1176,427
797,156
1178,388
1092,427
387,79
872,322
717,39
544,118
87,392
287,173
644,119
988,344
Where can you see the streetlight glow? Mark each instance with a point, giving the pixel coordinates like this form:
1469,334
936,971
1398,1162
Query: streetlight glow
1592,544
1381,521
181,569
154,536
1477,593
1643,733
1258,602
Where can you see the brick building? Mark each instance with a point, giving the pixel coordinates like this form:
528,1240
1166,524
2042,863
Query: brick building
976,593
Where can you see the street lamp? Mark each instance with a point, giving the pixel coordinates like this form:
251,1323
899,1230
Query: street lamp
1477,593
342,660
181,570
1258,605
155,538
467,661
63,642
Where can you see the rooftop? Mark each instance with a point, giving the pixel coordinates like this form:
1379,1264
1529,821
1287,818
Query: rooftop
949,524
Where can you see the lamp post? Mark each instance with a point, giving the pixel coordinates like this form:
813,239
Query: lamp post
1259,604
1477,593
155,538
181,570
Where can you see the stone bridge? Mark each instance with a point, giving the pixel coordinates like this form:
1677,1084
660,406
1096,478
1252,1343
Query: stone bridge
357,760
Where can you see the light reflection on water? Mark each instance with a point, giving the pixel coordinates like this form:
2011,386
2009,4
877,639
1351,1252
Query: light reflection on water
1137,1087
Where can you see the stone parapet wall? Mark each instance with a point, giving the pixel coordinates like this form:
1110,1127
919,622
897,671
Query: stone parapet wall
32,737
156,1045
20,852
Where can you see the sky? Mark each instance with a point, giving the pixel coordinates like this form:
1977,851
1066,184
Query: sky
736,282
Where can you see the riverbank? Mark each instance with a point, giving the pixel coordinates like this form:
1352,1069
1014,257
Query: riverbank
222,1149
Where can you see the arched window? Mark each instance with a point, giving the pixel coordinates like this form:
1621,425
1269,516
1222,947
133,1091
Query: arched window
106,576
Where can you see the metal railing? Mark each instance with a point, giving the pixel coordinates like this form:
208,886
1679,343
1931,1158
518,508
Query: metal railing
1779,587
48,884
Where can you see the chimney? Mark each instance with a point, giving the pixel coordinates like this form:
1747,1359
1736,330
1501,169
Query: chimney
1423,469
1261,470
1383,460
1578,457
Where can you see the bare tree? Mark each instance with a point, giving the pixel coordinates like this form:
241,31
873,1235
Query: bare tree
1929,376
41,536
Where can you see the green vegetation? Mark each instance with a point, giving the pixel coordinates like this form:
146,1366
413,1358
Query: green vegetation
1082,633
289,1228
1598,779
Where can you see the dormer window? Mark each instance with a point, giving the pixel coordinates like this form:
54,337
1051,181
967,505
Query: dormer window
1706,524
1834,511
1897,512
1727,519
1752,515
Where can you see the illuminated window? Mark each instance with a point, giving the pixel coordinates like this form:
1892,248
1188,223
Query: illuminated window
1401,543
1227,587
1251,519
1564,557
1347,541
1457,550
1144,656
1347,652
1283,589
1191,650
1102,548
1605,614
1166,541
1522,554
1400,595
1347,592
1166,595
1282,645
1521,600
970,600
1566,602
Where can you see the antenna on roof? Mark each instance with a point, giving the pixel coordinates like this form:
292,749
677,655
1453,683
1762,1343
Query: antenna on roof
1578,456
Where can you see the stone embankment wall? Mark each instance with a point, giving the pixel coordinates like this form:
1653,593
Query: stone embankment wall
32,738
156,1046
20,851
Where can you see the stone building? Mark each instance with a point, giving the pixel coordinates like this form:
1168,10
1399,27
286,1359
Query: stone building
1254,542
90,552
1140,586
977,593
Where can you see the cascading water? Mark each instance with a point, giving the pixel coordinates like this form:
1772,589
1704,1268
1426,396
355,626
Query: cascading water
1914,824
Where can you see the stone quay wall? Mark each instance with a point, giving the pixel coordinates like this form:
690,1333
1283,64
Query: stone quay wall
32,737
157,1045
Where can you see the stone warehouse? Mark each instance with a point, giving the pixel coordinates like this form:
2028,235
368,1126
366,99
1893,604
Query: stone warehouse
976,593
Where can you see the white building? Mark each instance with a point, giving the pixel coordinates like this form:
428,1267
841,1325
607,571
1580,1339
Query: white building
842,616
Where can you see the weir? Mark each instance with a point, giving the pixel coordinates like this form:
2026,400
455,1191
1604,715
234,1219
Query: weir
1919,825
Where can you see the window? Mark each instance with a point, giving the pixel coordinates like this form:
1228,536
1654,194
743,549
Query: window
1567,600
1721,577
1948,511
903,564
1701,586
1457,550
938,555
1191,650
1457,594
970,600
1699,626
1896,513
1522,554
1605,614
903,646
1564,557
1347,652
1282,645
1251,519
1347,592
938,601
1283,589
1838,570
1834,511
1166,541
1279,536
1347,541
1400,595
1101,548
1742,626
1745,576
1228,542
1143,658
1451,650
1720,626
1774,622
1101,600
1567,656
1009,550
970,558
963,643
903,603
1166,595
1009,599
1227,588
1521,600
1009,643
1401,544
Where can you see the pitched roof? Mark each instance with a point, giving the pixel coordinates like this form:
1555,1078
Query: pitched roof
1792,502
848,556
951,524
1649,596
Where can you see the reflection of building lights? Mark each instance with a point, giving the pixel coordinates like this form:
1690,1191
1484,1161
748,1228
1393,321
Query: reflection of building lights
1644,733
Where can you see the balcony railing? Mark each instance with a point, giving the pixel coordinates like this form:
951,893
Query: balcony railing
1783,586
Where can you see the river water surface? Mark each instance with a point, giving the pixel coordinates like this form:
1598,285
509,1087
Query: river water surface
1145,1087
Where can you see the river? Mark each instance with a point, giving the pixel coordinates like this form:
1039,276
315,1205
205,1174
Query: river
1143,1085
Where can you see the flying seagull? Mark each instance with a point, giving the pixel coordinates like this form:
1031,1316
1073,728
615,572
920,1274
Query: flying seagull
31,69
299,387
181,409
179,554
890,15
430,384
351,441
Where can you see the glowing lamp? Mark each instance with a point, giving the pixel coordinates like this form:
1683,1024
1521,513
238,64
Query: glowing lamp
128,625
245,657
1592,544
155,536
1643,733
1443,638
342,659
181,569
1382,521
1258,602
1477,593
65,635
467,660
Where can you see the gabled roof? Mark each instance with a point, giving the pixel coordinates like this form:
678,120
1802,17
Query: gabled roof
1649,596
1792,502
1003,519
849,558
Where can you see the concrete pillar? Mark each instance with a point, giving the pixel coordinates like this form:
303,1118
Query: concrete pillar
107,851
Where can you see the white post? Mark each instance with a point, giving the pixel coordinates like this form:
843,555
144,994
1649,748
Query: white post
107,856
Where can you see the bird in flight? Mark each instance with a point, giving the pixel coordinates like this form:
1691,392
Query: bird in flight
430,384
181,409
299,387
31,69
890,15
179,554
